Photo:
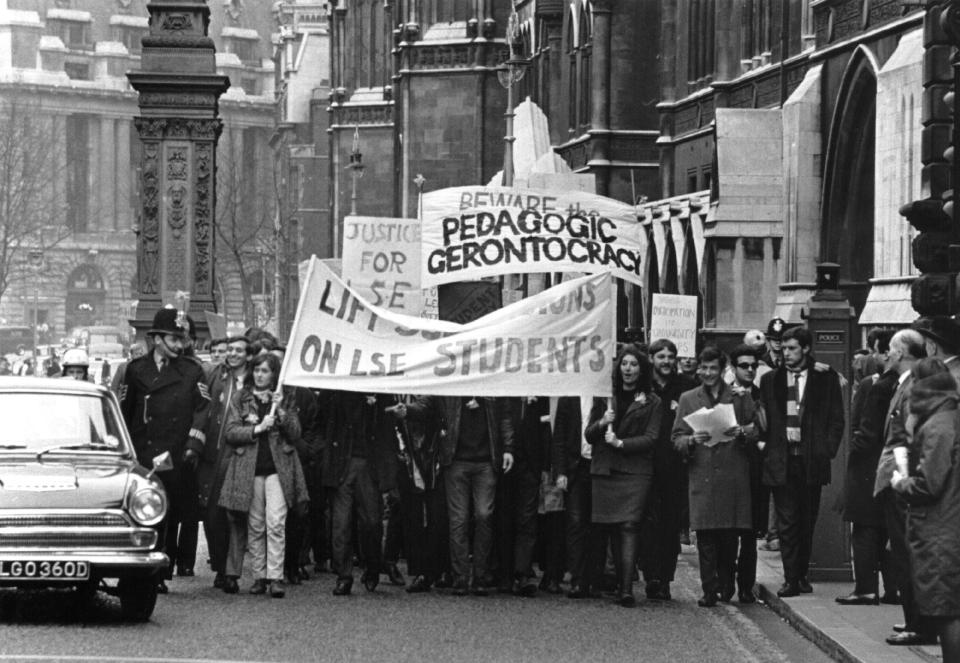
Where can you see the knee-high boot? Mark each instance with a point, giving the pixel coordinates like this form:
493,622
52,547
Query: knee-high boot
627,563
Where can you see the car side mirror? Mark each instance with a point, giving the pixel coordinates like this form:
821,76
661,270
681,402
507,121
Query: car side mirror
161,463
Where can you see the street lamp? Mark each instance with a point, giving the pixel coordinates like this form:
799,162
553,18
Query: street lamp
356,168
509,74
35,258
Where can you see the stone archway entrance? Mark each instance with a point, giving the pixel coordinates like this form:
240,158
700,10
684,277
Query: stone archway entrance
86,297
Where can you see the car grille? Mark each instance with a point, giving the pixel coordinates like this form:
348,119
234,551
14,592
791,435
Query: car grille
64,520
66,531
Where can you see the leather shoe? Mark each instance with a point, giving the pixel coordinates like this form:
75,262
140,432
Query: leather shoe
726,594
477,589
523,588
370,580
186,572
419,585
394,575
218,581
230,585
899,628
804,586
277,589
578,592
747,597
460,587
652,589
627,599
664,593
788,589
162,587
707,601
344,585
260,586
859,599
909,638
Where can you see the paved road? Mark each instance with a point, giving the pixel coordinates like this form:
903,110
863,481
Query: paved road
197,623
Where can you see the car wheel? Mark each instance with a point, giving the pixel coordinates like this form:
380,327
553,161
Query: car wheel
138,596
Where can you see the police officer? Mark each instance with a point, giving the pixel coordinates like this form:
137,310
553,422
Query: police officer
165,403
773,357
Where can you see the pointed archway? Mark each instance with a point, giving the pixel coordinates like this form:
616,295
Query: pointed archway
847,209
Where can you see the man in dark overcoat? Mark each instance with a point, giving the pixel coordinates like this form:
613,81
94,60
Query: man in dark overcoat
660,533
805,415
165,404
865,512
360,452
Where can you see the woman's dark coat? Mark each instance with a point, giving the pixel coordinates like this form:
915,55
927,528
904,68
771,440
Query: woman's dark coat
933,494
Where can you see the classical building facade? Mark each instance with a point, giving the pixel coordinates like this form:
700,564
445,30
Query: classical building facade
63,66
790,135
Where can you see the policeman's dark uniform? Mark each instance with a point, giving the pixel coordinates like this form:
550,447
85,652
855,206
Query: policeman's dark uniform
165,409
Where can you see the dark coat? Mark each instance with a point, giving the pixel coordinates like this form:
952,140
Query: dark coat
868,415
933,494
222,387
895,433
236,494
638,427
566,446
533,437
345,416
446,409
719,476
821,424
165,410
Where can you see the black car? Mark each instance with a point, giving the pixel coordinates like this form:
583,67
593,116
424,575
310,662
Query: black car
76,508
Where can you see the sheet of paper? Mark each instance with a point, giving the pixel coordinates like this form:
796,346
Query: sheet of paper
714,421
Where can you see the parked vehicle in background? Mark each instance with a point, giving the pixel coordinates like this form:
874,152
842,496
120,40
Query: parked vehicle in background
76,508
105,345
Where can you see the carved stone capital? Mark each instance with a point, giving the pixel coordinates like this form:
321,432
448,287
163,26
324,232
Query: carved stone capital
180,128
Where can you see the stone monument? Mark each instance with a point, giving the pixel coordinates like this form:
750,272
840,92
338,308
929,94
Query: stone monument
179,127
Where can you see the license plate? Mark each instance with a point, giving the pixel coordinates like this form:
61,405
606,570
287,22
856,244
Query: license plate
44,570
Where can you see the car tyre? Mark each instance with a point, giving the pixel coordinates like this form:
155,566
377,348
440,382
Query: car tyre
138,596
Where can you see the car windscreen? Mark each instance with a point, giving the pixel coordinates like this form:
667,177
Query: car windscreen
34,422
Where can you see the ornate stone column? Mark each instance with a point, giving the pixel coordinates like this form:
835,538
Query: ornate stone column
179,126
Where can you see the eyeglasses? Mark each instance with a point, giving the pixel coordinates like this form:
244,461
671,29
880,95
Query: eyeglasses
747,367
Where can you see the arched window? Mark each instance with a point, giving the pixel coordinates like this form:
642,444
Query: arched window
847,223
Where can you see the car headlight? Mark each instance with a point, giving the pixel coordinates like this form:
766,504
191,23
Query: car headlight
148,506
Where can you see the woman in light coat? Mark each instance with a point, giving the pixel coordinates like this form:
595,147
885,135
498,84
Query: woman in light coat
264,478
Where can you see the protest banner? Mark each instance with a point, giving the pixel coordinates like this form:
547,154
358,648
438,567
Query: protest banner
557,343
471,232
674,317
381,260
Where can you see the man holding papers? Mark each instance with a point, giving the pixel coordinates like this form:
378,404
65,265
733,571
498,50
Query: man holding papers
716,431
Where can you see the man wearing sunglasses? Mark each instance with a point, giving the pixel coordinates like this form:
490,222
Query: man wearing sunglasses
746,364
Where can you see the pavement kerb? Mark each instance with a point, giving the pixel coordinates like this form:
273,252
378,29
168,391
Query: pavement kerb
805,627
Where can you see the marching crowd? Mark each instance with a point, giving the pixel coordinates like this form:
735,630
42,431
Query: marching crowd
474,491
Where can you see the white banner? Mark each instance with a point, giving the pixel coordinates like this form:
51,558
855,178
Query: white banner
556,343
474,231
674,317
381,260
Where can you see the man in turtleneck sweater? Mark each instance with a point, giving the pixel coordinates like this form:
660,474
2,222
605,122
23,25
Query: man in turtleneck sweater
805,416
